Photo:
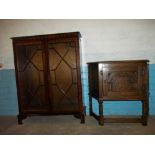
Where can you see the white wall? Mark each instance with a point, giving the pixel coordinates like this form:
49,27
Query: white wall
102,39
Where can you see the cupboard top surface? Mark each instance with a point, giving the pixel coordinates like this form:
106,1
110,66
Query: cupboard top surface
52,36
119,61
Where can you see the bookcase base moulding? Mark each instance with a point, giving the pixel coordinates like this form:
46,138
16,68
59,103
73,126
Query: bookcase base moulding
119,81
48,75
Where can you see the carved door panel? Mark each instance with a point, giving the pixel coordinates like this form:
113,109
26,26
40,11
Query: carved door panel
31,71
63,76
122,81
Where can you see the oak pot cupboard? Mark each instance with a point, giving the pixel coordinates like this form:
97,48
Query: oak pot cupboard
119,81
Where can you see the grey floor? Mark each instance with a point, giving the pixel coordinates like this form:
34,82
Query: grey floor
68,125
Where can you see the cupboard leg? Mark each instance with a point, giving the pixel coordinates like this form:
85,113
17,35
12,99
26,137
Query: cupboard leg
82,118
90,105
144,112
20,119
101,118
83,114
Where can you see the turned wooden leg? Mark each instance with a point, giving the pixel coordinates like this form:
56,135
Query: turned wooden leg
90,105
101,118
144,112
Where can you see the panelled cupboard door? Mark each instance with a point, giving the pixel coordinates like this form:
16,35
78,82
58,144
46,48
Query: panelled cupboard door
63,71
30,70
122,81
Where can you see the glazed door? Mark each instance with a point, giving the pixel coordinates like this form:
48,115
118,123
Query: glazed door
122,81
63,76
30,66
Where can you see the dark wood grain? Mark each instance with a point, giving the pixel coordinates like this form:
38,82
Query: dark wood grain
48,75
119,81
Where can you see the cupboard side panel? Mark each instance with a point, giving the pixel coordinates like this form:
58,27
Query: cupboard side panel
93,75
